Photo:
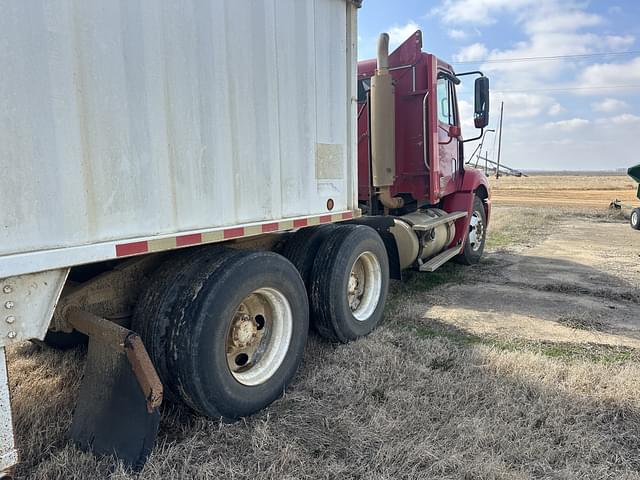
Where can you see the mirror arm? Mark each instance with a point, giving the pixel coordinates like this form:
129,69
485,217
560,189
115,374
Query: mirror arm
475,138
473,72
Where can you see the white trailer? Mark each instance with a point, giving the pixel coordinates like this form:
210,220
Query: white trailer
130,130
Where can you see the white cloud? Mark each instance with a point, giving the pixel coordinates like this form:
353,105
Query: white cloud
609,105
552,20
555,109
613,74
624,119
618,42
571,124
521,105
476,12
456,34
475,51
398,34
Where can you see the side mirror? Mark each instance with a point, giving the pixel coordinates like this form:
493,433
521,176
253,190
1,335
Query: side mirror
455,131
481,115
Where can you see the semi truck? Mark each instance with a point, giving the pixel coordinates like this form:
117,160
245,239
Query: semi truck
190,186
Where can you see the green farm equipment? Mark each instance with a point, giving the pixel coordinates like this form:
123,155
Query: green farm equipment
634,172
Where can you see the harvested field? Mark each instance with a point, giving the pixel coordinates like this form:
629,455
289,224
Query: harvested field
564,191
525,366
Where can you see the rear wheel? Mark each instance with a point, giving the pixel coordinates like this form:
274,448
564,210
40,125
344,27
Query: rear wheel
349,283
156,306
238,334
635,219
476,237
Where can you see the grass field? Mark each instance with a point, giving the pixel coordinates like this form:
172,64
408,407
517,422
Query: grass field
525,366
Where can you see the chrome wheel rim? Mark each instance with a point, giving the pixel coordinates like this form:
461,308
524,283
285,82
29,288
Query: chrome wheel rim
258,336
634,217
364,286
476,231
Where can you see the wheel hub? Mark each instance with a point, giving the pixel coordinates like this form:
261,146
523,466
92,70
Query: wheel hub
364,286
476,231
258,336
243,331
355,290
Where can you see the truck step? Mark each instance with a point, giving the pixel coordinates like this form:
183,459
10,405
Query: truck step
439,221
439,260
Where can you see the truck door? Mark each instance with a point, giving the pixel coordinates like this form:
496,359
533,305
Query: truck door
448,145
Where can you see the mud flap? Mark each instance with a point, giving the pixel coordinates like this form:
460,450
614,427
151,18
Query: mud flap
117,409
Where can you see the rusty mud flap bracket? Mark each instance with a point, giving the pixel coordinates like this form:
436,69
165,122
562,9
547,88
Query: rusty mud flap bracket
117,412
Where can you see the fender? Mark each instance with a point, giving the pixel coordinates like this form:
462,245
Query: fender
474,183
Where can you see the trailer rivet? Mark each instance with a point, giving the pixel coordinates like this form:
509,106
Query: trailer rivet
9,305
10,319
7,289
12,334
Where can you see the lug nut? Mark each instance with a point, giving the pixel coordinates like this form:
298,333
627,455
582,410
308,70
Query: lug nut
9,305
7,289
10,319
11,334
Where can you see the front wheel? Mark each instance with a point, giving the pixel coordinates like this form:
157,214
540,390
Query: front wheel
476,237
635,219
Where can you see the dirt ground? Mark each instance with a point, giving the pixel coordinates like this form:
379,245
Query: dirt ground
526,366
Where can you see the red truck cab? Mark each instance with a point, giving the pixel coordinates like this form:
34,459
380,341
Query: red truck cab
429,148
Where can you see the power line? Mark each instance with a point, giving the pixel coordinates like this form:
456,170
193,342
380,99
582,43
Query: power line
547,58
564,89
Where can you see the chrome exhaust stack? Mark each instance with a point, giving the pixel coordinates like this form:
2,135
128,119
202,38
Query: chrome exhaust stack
383,128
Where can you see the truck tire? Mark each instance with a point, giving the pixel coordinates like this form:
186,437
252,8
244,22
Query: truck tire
238,334
635,219
349,283
155,307
302,247
474,244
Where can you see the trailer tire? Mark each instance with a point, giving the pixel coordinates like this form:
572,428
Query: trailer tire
155,307
635,219
215,323
476,238
349,284
302,247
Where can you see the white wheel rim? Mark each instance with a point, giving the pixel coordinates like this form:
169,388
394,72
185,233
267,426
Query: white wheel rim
259,336
634,218
476,231
364,286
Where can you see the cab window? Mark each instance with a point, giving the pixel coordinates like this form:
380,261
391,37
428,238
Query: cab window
444,102
447,112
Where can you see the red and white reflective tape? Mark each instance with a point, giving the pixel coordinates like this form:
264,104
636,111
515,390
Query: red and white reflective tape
221,234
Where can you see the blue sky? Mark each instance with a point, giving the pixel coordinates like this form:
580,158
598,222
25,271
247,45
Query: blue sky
559,114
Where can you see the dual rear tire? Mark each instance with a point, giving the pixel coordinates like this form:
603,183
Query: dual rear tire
226,329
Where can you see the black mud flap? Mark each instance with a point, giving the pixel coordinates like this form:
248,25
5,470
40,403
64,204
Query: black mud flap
117,412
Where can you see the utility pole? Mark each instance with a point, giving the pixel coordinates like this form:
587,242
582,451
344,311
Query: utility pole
500,140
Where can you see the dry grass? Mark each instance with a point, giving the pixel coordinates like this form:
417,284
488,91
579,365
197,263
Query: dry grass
415,399
564,182
581,192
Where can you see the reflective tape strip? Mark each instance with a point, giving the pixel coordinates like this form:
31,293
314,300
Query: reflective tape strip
197,238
